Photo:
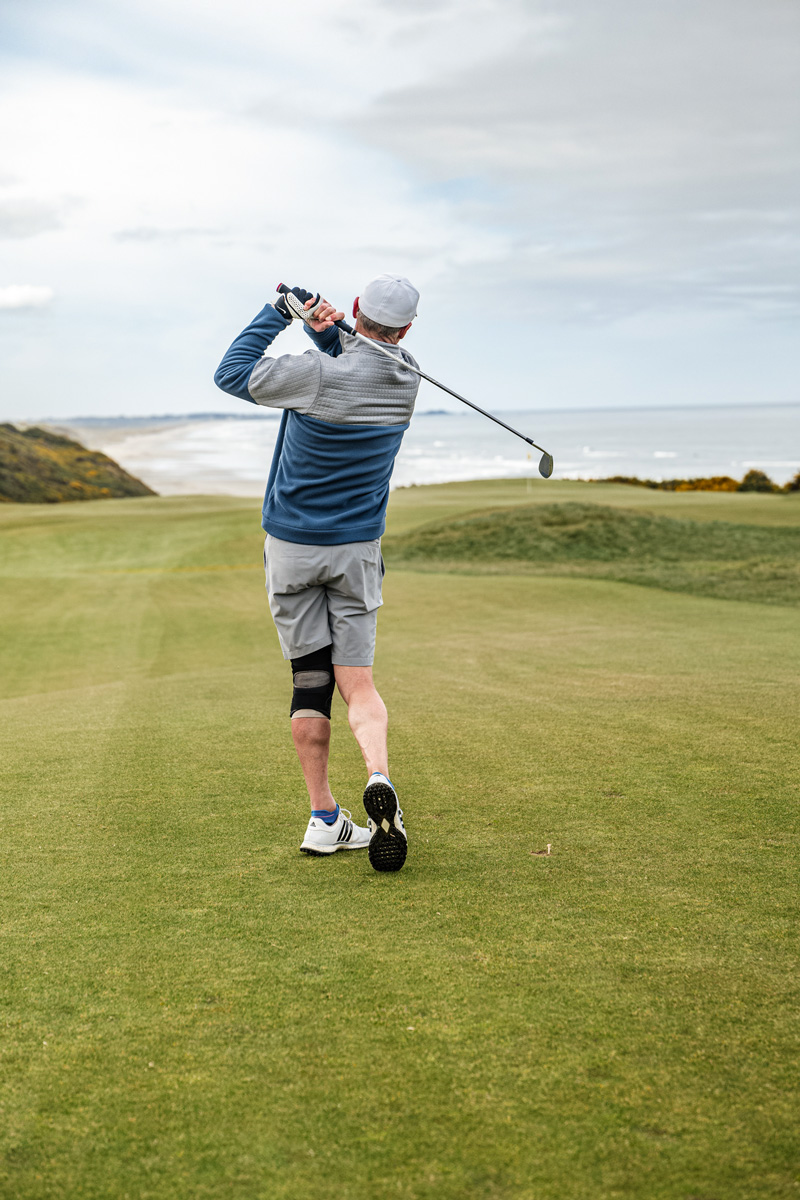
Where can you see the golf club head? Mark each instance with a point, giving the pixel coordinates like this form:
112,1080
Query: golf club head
546,465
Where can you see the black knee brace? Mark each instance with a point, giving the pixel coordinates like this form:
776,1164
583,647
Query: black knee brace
313,683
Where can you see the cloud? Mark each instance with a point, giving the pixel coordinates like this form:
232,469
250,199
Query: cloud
27,218
24,295
636,155
591,168
651,93
149,233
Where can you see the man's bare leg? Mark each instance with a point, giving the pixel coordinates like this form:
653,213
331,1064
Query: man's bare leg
329,829
366,713
312,740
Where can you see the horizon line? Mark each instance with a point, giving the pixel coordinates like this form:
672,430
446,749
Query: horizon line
262,412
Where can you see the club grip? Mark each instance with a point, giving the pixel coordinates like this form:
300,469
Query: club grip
284,290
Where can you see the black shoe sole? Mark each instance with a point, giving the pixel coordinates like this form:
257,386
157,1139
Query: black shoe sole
387,846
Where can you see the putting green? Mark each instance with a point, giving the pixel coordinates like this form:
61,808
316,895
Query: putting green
191,1008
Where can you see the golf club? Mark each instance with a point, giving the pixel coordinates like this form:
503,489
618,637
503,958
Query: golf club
307,315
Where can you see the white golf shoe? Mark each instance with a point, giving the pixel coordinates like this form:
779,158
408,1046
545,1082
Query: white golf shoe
343,834
388,845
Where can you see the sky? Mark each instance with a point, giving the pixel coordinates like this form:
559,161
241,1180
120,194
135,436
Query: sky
599,200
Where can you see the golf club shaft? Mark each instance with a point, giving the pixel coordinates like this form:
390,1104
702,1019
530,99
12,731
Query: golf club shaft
396,359
435,382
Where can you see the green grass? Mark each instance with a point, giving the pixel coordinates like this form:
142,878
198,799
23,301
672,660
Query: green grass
414,506
705,558
191,1008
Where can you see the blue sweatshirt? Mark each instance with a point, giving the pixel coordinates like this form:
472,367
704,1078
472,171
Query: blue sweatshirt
345,412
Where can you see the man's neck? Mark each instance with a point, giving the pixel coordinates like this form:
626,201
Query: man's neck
376,337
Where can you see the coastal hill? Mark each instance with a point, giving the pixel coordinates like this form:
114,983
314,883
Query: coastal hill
38,466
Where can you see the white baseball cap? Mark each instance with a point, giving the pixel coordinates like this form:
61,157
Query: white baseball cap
389,300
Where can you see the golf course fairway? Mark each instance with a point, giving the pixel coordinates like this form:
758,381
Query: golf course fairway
191,1008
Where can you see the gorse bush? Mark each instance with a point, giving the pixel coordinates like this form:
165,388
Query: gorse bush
757,481
38,466
754,481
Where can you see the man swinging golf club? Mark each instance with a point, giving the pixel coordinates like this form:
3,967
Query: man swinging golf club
345,412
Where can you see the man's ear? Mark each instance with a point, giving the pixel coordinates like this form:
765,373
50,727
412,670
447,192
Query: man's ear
355,307
403,332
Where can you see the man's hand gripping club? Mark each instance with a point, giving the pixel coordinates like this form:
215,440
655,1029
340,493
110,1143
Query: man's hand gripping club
297,303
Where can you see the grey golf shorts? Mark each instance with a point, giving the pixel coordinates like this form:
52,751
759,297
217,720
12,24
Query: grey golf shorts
323,595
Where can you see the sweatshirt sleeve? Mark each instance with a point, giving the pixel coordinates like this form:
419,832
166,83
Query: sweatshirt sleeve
234,371
291,381
328,342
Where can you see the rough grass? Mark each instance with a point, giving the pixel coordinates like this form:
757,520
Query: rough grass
709,558
190,1008
414,506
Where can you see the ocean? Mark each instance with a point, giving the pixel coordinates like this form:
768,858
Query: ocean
230,455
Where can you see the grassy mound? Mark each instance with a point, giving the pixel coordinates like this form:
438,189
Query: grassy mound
38,466
719,558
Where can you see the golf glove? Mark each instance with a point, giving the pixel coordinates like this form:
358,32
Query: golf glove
283,307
